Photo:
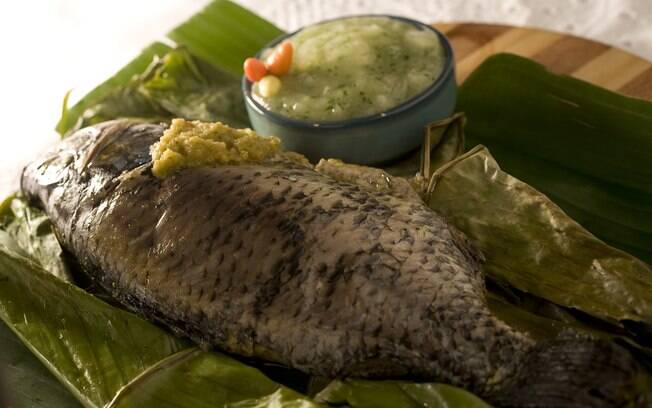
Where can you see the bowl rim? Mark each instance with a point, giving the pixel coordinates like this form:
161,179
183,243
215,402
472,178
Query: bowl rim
434,88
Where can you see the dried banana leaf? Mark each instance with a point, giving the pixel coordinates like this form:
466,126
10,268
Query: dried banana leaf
532,245
511,222
588,149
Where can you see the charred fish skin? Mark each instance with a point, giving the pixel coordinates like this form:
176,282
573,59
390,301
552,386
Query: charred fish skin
279,262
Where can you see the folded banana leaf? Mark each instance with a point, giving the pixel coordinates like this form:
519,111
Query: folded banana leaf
529,242
540,263
586,148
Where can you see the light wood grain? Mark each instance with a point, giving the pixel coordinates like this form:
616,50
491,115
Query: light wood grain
612,69
588,60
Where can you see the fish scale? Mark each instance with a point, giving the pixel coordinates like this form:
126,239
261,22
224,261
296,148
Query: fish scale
277,261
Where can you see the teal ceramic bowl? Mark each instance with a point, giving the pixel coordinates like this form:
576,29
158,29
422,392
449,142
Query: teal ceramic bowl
375,139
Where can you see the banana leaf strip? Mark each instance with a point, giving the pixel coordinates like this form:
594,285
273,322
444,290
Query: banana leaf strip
588,149
205,380
443,142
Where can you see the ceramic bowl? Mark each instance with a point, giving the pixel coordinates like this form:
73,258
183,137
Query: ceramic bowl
373,139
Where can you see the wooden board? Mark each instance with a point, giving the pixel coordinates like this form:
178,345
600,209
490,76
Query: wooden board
600,64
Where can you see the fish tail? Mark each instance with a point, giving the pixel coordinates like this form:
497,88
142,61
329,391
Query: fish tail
577,372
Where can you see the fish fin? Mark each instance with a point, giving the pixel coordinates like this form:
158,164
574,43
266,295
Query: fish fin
109,132
577,372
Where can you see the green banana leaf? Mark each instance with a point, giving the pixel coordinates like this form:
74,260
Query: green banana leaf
109,357
71,118
588,149
443,142
28,232
223,34
30,383
173,85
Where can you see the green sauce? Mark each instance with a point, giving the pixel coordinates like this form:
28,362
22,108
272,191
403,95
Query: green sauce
356,67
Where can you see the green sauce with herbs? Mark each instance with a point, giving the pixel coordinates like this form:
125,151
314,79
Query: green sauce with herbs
356,67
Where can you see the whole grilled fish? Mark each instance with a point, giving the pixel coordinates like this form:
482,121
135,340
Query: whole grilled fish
280,261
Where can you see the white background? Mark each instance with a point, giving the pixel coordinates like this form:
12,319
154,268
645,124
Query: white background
50,46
